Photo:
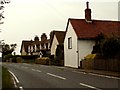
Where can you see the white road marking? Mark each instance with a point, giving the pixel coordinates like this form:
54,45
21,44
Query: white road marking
38,71
104,76
14,82
14,76
21,88
15,65
89,86
24,67
56,76
79,72
112,77
33,69
26,64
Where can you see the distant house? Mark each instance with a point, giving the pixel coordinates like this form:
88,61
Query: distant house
36,47
57,46
81,34
57,38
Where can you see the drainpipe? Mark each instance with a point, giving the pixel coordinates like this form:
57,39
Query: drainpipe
78,54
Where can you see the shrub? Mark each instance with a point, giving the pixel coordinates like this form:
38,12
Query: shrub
43,61
88,61
107,47
90,56
7,57
19,59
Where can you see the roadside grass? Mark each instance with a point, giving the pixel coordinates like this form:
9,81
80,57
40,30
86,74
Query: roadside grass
7,81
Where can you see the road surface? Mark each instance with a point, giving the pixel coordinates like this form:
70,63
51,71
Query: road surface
41,76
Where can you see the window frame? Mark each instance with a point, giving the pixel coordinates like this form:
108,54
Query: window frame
70,43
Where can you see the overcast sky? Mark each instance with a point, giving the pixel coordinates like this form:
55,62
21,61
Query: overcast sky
27,18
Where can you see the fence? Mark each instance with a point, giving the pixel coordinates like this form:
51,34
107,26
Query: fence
102,64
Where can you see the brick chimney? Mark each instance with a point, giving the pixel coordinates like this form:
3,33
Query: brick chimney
36,38
88,13
43,37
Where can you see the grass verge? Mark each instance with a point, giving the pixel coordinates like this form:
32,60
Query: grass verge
7,81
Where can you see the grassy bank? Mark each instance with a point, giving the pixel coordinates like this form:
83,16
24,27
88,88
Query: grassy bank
6,79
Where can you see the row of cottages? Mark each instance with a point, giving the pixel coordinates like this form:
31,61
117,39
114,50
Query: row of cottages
45,46
36,47
78,39
81,35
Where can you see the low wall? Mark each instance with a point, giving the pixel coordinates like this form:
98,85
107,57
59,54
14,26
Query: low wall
102,64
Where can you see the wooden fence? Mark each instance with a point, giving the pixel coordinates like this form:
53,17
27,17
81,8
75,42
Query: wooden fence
102,64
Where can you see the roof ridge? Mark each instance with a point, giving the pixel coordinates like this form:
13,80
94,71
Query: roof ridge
95,20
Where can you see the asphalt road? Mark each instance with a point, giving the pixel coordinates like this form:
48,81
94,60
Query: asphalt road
41,76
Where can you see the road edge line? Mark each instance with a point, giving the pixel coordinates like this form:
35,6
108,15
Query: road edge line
14,76
16,81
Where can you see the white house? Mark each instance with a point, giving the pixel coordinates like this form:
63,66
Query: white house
81,34
57,38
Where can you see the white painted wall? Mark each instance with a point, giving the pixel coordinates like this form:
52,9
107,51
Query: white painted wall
23,51
71,55
54,45
85,47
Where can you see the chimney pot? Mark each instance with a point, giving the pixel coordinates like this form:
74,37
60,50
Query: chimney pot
87,13
87,4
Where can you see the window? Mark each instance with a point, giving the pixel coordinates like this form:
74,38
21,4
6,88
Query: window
42,46
38,47
70,43
33,48
46,45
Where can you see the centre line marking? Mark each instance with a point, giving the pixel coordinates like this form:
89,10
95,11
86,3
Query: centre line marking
24,67
33,69
38,71
89,86
56,76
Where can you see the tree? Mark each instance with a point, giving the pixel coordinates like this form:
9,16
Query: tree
107,47
59,54
8,49
110,47
98,41
2,2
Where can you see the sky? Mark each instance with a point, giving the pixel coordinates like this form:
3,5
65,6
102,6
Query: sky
26,18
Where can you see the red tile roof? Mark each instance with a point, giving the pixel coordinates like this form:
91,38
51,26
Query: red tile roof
60,35
85,30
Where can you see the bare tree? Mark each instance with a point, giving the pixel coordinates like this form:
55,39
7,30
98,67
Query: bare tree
2,3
